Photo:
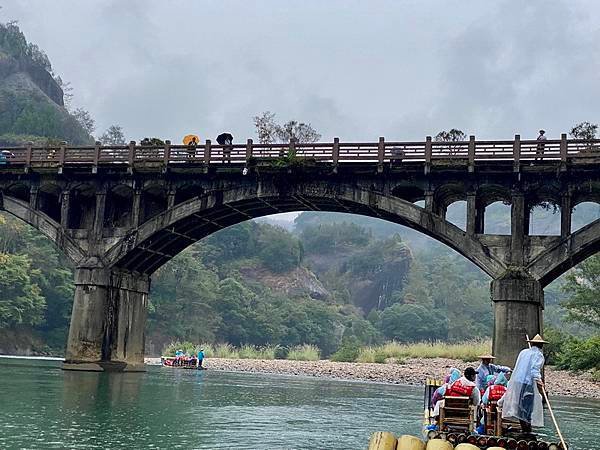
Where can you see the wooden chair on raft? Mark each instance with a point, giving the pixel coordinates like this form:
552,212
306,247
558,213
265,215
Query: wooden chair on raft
457,414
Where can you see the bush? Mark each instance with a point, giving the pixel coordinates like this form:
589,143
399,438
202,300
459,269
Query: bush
580,355
348,351
281,352
467,351
304,352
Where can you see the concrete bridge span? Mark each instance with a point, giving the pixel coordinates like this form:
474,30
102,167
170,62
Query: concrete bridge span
120,217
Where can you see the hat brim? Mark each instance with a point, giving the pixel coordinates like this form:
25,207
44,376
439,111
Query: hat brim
486,357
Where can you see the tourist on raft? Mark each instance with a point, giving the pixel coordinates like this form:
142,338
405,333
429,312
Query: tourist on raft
441,391
463,387
523,401
496,390
487,368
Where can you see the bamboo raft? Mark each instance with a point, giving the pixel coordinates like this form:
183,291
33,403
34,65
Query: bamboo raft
455,430
172,362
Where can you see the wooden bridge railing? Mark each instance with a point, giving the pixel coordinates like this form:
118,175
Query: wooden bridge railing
336,152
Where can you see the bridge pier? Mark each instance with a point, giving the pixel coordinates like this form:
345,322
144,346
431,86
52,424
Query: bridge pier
108,320
518,304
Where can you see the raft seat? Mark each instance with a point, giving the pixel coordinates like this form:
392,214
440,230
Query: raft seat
457,414
493,419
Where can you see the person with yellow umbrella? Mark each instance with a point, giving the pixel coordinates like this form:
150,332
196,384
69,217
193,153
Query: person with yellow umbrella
191,140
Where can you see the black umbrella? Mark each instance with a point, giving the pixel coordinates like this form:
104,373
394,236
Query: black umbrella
224,139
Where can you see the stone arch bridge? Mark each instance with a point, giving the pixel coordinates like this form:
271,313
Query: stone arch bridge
120,212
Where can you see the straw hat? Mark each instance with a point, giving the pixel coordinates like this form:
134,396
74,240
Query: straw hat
537,339
488,356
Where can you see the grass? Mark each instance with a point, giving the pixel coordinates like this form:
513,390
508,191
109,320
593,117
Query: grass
466,351
304,352
390,352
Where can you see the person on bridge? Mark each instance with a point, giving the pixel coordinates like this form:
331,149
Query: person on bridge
523,401
541,144
487,368
225,139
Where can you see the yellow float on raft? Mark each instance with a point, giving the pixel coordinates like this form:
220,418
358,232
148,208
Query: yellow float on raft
439,444
384,440
465,446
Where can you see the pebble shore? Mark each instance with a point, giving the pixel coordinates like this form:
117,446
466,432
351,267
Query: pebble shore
412,372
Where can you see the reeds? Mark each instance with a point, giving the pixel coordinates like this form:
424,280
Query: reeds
397,352
304,352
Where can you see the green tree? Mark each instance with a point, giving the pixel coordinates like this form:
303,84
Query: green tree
21,302
583,287
279,251
584,130
113,136
408,323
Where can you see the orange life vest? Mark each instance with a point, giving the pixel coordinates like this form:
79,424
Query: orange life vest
457,389
496,392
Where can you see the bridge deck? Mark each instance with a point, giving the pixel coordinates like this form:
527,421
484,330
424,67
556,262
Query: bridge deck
426,152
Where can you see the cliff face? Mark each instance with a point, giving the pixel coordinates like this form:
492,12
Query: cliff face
40,77
32,106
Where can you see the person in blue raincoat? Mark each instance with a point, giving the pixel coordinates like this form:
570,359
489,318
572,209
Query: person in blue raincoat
200,359
523,401
487,368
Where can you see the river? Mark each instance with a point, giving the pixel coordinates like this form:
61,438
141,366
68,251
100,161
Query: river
42,406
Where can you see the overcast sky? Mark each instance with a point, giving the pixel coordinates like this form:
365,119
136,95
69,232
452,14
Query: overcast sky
353,69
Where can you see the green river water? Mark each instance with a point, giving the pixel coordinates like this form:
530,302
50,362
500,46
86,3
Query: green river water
42,406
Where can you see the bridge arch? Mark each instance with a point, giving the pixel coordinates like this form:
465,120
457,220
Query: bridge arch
564,254
160,238
45,225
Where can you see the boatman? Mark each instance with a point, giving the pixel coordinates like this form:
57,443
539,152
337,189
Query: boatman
487,368
523,401
200,359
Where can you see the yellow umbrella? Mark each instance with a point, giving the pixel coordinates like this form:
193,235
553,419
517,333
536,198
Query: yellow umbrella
190,139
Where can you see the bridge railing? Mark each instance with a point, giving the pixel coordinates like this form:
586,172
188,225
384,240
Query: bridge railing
336,152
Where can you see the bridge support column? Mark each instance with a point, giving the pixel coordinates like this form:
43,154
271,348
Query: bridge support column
518,304
108,320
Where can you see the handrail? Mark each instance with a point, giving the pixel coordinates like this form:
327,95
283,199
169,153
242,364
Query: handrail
336,152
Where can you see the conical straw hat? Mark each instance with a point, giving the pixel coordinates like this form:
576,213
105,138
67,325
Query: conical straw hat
488,356
537,338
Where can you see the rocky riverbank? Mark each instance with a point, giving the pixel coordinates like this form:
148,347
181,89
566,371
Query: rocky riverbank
412,372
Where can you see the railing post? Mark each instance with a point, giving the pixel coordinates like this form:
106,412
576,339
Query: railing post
207,152
28,152
96,157
167,154
428,151
292,147
471,166
335,156
517,153
380,154
61,156
131,156
563,152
